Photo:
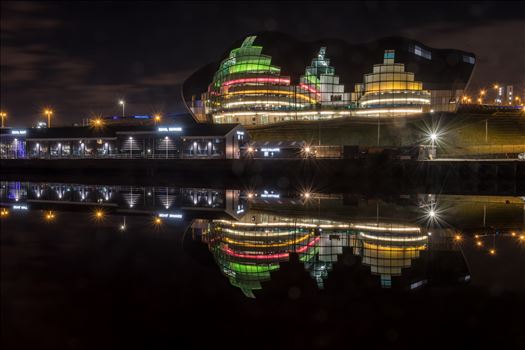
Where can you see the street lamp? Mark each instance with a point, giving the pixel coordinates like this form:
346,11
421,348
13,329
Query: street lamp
98,122
48,113
157,118
3,115
167,140
433,137
481,95
123,104
130,147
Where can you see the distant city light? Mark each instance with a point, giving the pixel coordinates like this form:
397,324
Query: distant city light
99,214
50,216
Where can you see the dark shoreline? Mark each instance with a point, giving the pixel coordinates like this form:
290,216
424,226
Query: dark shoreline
322,175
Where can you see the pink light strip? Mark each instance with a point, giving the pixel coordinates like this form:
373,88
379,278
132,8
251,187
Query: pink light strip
311,89
257,80
271,256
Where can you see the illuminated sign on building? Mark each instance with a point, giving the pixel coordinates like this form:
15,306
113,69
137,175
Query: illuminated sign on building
169,129
18,132
265,194
170,215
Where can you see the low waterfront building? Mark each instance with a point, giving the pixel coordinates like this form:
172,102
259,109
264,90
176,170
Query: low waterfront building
171,204
194,141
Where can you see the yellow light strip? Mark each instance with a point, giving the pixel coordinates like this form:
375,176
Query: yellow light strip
293,114
242,103
271,92
394,239
410,99
380,111
369,227
390,248
283,244
259,234
385,228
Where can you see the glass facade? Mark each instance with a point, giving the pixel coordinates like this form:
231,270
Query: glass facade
390,90
204,141
249,88
247,251
250,250
419,51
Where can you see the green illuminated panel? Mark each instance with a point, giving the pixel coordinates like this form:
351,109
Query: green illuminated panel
245,59
252,67
313,80
248,268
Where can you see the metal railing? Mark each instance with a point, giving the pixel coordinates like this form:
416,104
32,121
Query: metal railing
116,156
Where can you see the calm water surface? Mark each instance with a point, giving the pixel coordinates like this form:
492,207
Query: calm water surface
99,266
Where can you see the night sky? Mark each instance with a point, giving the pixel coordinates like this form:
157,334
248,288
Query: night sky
80,58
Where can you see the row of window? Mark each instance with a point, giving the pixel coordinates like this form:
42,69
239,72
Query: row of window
419,51
393,85
404,76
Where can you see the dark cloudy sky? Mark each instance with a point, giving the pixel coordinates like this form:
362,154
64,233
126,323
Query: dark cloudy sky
81,57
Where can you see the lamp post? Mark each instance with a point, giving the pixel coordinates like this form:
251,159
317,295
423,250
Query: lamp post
130,147
167,141
157,118
481,96
123,104
48,113
3,115
433,139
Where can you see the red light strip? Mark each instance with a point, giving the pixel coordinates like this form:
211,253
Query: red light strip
270,256
257,80
311,89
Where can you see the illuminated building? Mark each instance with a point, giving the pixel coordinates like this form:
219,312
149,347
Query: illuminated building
271,77
390,91
248,251
187,141
170,204
388,252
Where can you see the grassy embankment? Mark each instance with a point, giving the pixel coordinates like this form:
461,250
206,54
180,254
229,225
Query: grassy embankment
460,134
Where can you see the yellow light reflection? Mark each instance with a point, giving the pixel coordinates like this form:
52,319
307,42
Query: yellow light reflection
256,245
49,216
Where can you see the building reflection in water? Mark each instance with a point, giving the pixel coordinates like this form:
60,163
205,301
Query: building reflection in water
123,199
252,237
248,250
